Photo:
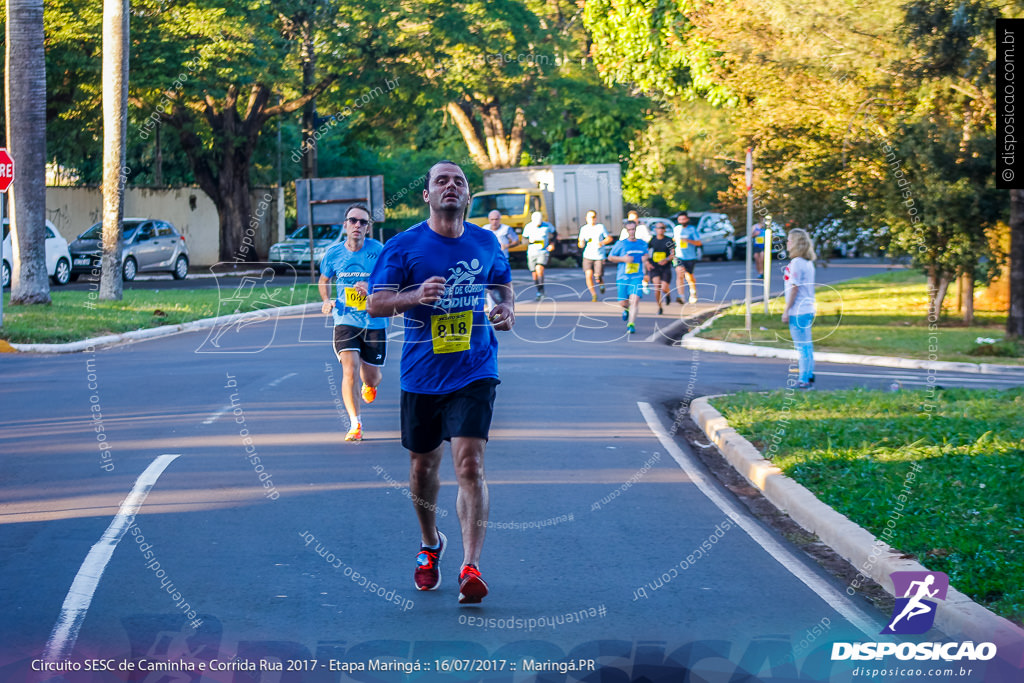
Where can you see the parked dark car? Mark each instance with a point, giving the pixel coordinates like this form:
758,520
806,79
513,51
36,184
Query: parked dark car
148,246
716,233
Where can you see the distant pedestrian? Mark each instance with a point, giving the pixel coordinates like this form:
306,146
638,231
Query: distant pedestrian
758,249
540,240
592,240
643,233
799,310
506,234
687,240
631,255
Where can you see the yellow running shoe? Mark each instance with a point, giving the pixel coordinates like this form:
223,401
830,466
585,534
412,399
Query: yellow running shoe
368,393
355,434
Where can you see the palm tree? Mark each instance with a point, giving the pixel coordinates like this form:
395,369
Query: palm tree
115,125
26,140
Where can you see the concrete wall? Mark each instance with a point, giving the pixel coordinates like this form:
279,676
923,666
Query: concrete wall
73,209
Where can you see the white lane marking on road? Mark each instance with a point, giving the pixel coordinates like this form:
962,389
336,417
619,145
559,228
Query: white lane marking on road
396,333
280,379
216,416
782,555
213,418
79,597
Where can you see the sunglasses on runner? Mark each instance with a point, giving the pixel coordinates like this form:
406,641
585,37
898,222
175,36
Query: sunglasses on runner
358,221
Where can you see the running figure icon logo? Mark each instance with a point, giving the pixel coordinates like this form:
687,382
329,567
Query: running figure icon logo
914,613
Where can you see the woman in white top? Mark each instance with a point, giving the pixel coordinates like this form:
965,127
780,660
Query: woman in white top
799,310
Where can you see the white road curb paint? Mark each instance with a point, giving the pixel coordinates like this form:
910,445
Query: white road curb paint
79,597
782,555
735,349
959,616
155,332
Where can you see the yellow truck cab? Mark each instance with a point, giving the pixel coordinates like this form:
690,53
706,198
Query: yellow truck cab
516,207
563,193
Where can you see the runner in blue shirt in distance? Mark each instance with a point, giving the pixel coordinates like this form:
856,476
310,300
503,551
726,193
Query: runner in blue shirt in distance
631,255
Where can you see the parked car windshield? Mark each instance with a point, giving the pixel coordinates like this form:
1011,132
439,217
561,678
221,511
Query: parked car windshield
507,204
96,232
320,232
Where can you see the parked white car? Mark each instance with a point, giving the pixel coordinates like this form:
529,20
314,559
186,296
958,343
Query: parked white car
58,259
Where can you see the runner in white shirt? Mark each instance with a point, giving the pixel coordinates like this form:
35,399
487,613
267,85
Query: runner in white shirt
593,237
506,235
642,231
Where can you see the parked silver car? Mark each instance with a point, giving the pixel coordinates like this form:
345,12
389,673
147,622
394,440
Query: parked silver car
716,234
295,249
58,260
148,246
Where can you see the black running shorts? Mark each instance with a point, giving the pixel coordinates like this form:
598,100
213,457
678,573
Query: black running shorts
663,273
429,419
371,344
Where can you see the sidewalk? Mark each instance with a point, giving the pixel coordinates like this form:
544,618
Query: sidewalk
690,340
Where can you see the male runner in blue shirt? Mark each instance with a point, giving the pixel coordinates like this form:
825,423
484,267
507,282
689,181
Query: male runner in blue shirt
436,273
355,333
631,255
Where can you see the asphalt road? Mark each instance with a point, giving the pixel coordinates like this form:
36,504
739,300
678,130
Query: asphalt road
607,541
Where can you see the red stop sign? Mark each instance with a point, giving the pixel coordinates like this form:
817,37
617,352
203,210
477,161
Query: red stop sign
6,170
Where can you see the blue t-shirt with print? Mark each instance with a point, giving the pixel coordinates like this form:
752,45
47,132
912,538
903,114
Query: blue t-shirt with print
688,251
758,235
348,268
630,272
450,343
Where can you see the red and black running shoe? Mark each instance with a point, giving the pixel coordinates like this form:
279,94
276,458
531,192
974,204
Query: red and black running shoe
428,574
472,588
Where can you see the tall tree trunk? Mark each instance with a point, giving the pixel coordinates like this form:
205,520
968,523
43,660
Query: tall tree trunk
26,139
1015,319
938,284
115,124
158,160
465,125
489,145
234,207
967,287
310,158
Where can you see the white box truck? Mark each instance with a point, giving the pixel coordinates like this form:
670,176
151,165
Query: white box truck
562,193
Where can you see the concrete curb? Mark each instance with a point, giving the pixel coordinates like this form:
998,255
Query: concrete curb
154,332
959,616
690,341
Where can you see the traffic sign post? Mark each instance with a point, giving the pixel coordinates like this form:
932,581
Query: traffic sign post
6,178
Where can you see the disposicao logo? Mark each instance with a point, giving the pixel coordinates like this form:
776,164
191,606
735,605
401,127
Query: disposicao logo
914,612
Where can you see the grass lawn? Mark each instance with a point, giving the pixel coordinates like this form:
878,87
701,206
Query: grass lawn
73,316
881,315
964,514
